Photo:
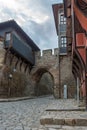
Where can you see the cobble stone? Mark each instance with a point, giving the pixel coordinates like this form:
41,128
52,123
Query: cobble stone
2,128
18,128
26,114
22,115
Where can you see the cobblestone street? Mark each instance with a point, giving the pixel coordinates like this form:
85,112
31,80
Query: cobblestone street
22,115
26,114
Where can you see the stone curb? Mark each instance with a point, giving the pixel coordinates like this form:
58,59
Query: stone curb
15,99
20,98
75,109
68,121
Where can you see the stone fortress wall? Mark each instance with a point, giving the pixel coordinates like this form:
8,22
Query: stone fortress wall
60,66
48,62
49,67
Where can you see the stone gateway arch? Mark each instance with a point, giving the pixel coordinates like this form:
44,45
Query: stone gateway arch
47,63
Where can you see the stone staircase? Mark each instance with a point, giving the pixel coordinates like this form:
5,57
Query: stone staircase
67,117
64,115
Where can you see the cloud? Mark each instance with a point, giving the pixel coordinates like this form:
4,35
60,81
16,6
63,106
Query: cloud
35,17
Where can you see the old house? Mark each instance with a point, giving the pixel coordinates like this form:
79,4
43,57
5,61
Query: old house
75,13
66,80
17,41
17,54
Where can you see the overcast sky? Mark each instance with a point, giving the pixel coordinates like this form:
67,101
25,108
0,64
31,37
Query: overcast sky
35,17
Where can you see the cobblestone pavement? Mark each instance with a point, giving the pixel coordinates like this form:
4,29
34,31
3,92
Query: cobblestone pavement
22,115
26,114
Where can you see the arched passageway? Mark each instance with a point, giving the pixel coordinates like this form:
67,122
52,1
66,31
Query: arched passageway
44,82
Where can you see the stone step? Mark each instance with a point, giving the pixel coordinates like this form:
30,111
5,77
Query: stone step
69,122
71,118
50,127
60,127
75,109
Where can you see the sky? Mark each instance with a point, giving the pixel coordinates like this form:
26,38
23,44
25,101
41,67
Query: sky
35,17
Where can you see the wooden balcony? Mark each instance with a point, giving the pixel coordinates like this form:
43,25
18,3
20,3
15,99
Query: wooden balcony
21,48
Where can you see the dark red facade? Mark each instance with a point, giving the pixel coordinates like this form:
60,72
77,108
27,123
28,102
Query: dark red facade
76,14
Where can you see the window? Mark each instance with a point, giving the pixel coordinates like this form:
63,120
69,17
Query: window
63,42
8,36
62,19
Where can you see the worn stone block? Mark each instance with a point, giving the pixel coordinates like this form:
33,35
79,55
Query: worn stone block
70,122
81,122
57,121
44,121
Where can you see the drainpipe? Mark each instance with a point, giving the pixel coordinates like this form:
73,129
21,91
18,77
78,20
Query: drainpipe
86,91
59,79
86,80
78,90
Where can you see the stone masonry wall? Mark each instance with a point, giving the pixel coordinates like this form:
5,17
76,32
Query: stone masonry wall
47,58
66,76
59,67
50,62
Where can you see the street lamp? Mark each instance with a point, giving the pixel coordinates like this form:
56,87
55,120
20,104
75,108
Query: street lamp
10,76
